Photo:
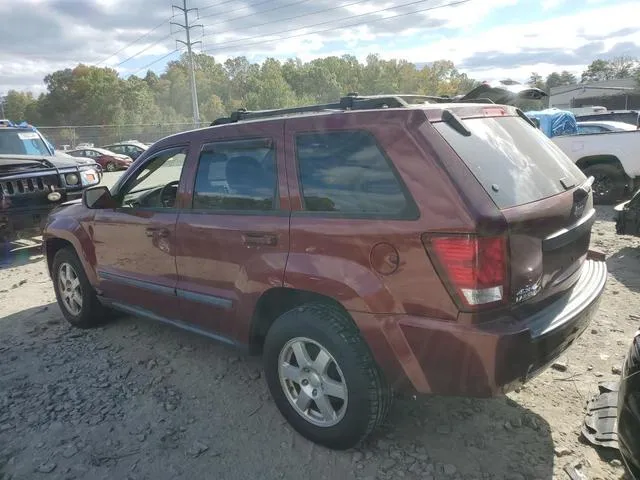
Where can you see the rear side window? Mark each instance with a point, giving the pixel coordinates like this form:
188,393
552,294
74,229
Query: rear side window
236,175
514,162
347,173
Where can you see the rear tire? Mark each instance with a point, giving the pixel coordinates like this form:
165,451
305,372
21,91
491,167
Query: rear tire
111,167
609,184
76,297
335,395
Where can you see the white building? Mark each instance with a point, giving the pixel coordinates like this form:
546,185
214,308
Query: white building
614,94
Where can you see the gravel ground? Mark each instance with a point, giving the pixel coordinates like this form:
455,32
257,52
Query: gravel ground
136,400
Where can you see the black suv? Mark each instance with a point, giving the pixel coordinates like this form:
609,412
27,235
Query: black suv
31,185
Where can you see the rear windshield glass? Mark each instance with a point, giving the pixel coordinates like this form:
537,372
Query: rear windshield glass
514,162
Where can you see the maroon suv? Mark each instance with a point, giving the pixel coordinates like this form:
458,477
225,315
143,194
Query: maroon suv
435,247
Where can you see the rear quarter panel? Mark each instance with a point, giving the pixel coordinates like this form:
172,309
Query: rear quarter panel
337,256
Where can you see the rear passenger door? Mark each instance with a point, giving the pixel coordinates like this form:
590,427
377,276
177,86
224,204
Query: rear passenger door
233,241
353,227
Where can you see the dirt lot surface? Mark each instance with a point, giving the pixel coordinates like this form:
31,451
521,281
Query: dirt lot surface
136,400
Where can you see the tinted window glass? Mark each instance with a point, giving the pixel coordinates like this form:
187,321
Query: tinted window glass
514,162
236,175
346,172
155,185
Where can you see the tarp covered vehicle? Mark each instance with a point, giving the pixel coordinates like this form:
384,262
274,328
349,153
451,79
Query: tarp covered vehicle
554,122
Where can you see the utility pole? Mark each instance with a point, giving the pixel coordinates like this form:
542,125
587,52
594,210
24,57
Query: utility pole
1,106
189,44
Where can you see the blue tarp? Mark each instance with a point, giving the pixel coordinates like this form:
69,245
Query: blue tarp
554,122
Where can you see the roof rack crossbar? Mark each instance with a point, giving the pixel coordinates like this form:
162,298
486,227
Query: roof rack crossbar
352,101
349,102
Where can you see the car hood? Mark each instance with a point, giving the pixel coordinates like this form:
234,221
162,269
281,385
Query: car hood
78,160
44,160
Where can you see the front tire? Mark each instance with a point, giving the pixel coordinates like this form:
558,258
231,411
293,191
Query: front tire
75,294
323,377
609,183
111,167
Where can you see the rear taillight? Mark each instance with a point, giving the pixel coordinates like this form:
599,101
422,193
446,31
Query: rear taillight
475,267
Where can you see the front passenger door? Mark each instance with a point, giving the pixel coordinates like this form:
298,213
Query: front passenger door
135,242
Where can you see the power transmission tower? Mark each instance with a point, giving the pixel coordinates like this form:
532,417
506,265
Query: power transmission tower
189,44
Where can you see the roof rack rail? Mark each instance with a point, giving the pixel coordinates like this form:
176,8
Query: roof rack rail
352,101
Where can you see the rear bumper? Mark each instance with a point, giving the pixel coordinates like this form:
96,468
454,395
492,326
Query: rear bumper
433,356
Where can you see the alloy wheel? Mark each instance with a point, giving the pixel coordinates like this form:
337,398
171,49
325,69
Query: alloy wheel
312,382
70,289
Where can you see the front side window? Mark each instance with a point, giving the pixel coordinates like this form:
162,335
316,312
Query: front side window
236,175
156,184
347,173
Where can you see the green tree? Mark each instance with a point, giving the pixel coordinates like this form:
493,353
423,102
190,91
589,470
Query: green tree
18,106
598,71
211,109
268,88
623,66
567,78
536,80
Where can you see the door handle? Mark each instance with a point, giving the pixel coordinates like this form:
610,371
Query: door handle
157,231
252,238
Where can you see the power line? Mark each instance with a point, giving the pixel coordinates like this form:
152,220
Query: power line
280,7
143,50
189,44
156,61
280,20
238,9
144,35
451,4
216,5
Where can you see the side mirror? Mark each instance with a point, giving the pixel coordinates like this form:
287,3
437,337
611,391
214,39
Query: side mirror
98,198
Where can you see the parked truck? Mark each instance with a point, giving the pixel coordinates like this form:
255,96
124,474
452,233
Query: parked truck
612,158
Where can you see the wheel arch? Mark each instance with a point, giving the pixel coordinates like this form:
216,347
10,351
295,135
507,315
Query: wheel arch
52,246
66,233
276,301
591,160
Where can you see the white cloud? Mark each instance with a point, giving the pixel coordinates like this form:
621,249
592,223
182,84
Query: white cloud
63,32
551,4
558,36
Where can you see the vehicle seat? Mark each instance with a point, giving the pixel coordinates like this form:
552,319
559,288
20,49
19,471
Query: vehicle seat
210,173
246,177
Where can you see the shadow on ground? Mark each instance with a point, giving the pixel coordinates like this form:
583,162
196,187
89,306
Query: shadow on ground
10,258
624,266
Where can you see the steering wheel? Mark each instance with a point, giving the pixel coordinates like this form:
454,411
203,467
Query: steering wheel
169,193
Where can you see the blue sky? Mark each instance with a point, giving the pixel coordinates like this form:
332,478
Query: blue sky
488,39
